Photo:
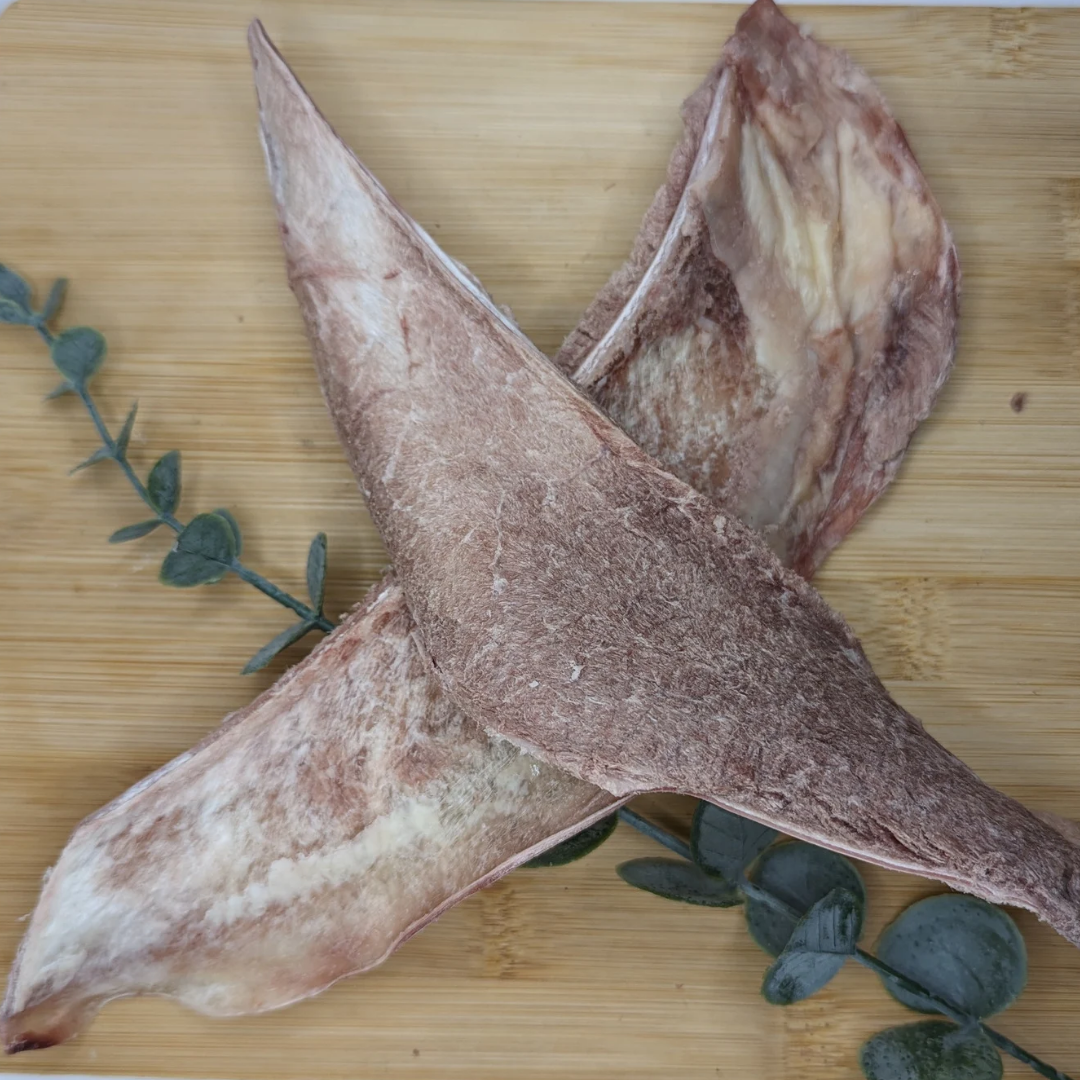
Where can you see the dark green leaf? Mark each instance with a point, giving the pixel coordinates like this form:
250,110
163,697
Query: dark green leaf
54,300
14,288
930,1050
273,647
100,454
11,313
78,353
124,437
963,949
58,391
800,875
163,483
817,949
576,846
133,532
676,879
725,844
238,540
316,571
201,555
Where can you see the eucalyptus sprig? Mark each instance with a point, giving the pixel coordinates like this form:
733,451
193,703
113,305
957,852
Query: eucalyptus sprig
206,548
951,955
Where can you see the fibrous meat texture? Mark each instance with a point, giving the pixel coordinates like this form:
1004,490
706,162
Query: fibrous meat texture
353,802
578,599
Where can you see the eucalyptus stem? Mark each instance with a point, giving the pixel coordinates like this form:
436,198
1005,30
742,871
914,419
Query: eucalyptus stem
867,959
119,455
208,546
654,832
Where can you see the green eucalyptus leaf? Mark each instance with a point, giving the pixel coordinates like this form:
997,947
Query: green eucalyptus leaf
102,453
283,640
163,484
134,532
676,879
78,354
201,555
238,540
724,843
800,875
316,571
14,315
14,288
124,437
577,846
817,949
58,391
961,948
54,300
930,1050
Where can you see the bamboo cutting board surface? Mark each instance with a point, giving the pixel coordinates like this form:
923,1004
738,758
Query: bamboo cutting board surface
528,139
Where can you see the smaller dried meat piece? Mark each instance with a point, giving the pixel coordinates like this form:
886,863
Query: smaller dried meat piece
788,315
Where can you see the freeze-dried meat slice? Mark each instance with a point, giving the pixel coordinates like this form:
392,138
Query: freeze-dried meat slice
579,600
788,314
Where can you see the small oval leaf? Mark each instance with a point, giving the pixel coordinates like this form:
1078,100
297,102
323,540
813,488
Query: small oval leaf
163,483
14,288
238,540
316,571
577,846
201,555
283,640
133,532
78,354
961,948
675,879
124,437
54,300
724,843
800,875
930,1050
58,391
817,949
100,454
13,314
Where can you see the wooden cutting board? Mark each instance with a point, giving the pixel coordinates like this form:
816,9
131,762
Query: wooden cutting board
528,139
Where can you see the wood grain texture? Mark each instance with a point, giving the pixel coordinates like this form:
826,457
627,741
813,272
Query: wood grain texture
528,138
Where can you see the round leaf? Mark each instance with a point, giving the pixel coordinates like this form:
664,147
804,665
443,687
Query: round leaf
724,843
817,949
963,949
163,484
12,313
930,1050
238,540
577,846
78,353
14,288
800,875
676,879
202,553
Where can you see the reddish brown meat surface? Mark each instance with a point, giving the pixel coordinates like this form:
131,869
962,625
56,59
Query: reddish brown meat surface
788,314
361,802
580,601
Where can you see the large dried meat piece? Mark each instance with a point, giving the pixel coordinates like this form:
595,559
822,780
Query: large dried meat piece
361,803
580,601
